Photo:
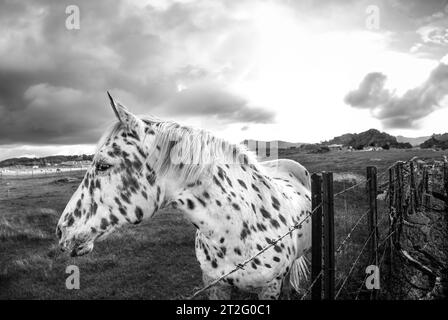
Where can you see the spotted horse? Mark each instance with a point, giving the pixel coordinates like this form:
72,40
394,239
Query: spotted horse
237,204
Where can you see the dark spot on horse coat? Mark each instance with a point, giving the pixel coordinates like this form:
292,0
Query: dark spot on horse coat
125,198
113,219
93,208
216,181
221,173
70,221
265,213
275,203
77,213
122,211
282,219
190,204
235,206
242,184
201,201
275,223
139,213
104,223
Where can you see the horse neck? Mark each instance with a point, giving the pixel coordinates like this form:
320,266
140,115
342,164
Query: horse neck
209,218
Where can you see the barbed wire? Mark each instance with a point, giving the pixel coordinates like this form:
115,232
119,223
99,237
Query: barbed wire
244,263
364,180
367,275
353,266
350,232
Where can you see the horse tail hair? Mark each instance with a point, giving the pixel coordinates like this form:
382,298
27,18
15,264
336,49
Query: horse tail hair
299,271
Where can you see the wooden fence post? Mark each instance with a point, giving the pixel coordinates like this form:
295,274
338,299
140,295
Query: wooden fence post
373,211
426,196
316,237
328,214
398,200
414,198
391,222
373,216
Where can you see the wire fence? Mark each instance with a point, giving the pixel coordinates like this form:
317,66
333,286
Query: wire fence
391,221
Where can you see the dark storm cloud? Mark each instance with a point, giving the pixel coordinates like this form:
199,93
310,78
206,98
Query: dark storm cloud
370,92
53,80
400,111
211,100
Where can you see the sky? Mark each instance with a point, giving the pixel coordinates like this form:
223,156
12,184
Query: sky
300,71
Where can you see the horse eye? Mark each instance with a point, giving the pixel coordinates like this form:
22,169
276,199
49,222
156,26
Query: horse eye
103,166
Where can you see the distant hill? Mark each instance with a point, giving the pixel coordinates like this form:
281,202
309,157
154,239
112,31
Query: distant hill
369,138
345,139
281,144
441,137
413,141
437,141
43,161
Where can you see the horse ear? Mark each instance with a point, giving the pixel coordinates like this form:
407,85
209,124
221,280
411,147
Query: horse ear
123,114
112,104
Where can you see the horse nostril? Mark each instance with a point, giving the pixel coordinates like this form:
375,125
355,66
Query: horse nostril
58,232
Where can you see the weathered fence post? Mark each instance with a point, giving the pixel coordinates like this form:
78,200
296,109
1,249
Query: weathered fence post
373,211
398,201
414,198
328,218
316,236
426,196
391,221
373,216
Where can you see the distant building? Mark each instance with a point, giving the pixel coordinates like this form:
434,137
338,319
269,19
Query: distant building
372,149
69,163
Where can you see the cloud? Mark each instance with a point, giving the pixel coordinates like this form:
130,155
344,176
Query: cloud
400,111
370,92
210,99
53,80
434,34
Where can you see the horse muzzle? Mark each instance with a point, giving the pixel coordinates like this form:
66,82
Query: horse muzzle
76,247
81,250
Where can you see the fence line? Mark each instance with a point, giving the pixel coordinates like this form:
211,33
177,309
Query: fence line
393,192
323,211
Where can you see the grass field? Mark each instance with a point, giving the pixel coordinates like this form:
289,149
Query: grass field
156,259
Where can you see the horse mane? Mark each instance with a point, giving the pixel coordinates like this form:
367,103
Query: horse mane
192,151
